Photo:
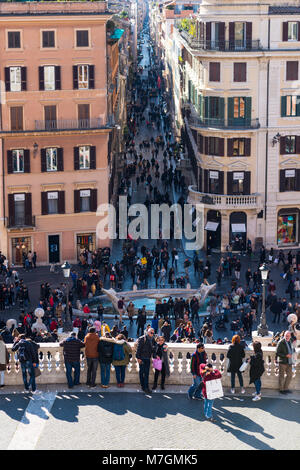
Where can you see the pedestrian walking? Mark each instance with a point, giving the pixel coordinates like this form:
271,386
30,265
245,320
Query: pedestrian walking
198,357
207,374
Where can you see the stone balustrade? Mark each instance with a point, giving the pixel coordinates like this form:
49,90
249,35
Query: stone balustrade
223,201
53,370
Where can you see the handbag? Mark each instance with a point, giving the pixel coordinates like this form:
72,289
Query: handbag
37,371
214,389
157,364
244,366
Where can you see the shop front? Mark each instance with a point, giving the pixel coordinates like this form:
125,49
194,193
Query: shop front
20,246
213,230
85,241
238,230
288,227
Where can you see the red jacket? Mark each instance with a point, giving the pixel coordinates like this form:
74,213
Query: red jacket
206,376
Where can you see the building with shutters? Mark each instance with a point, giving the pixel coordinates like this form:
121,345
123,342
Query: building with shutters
237,100
54,127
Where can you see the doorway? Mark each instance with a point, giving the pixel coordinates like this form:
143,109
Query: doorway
54,253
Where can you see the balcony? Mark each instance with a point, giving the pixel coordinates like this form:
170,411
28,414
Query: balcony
69,124
223,46
223,201
20,223
219,123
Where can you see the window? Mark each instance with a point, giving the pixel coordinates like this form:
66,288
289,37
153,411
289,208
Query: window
83,76
291,106
18,161
214,182
215,146
238,183
292,70
83,115
51,159
292,31
240,35
48,38
84,157
19,209
16,118
85,200
49,77
238,108
15,78
52,198
214,71
290,144
238,147
50,117
14,39
82,38
239,71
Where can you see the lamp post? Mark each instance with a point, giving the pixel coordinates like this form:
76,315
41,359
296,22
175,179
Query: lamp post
262,329
66,268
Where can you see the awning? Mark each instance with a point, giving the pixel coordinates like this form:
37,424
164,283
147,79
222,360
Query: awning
211,226
237,228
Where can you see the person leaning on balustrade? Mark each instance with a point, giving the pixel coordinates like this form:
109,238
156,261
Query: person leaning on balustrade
71,350
284,356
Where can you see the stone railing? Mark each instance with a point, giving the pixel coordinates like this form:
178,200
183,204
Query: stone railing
53,370
223,201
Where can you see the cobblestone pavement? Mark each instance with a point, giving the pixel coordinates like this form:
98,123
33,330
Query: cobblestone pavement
105,420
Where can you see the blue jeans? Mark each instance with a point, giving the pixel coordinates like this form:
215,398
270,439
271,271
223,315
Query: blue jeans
194,389
120,374
105,373
28,367
208,404
257,384
69,367
144,373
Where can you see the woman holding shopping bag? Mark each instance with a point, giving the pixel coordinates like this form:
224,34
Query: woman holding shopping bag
209,374
161,363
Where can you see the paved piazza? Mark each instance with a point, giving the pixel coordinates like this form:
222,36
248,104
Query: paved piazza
111,420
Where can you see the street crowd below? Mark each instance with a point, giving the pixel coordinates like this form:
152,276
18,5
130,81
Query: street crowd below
150,164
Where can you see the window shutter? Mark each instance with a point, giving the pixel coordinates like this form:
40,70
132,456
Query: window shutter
214,71
26,161
44,201
221,182
206,142
230,182
285,31
283,106
222,36
41,79
222,108
292,70
282,145
57,78
93,201
247,147
75,77
60,159
229,147
23,78
297,185
9,162
7,78
77,200
239,71
61,202
206,181
248,105
249,35
11,209
91,76
76,158
206,107
247,182
231,36
298,31
28,209
221,148
208,34
43,161
298,106
281,181
93,158
200,179
200,143
298,144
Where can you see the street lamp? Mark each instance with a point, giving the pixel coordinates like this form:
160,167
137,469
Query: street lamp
66,268
262,329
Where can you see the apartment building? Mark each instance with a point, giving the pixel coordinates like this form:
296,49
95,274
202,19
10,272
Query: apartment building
54,127
237,99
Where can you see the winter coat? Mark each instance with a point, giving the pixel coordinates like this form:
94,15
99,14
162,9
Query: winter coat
127,351
91,345
71,349
106,350
161,351
256,367
196,360
207,376
235,355
145,347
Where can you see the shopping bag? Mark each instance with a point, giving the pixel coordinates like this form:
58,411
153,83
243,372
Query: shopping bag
37,372
157,364
244,366
276,260
214,389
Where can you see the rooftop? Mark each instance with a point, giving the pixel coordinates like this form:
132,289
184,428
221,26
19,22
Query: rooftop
40,8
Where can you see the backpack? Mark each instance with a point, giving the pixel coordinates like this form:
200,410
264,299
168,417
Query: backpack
119,354
22,353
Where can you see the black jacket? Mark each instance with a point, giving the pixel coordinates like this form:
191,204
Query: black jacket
256,367
235,355
30,349
106,350
146,347
72,347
